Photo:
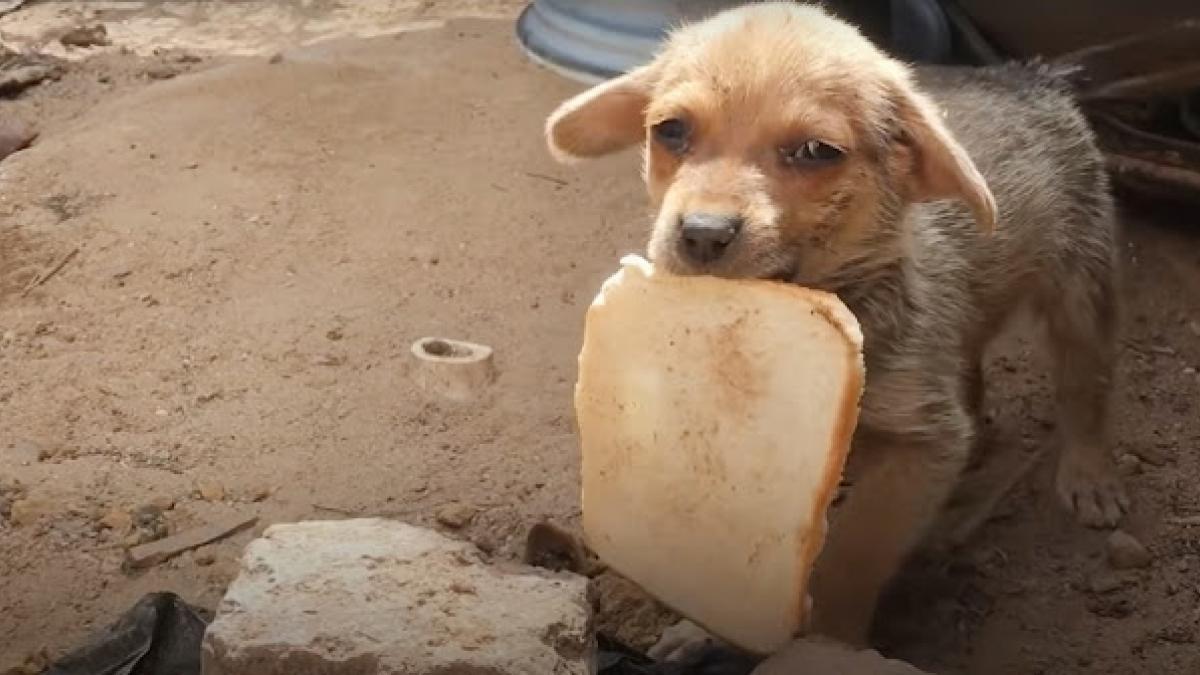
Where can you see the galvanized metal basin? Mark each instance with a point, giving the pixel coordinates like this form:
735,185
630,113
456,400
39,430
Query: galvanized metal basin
593,40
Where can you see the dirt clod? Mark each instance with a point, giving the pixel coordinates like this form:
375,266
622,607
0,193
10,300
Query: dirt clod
456,515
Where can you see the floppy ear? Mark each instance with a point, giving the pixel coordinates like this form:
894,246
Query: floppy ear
603,119
941,168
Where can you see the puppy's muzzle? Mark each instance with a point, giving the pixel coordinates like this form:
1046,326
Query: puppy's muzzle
705,237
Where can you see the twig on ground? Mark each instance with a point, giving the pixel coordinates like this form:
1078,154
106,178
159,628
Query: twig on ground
49,274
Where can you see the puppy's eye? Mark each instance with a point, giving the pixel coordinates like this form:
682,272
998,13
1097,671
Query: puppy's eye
673,134
810,154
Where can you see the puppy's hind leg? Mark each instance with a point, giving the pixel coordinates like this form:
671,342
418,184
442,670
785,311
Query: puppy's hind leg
1081,316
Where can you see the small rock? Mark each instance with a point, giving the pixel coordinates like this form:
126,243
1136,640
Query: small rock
300,599
210,491
1194,326
277,57
329,360
204,558
95,35
163,504
1126,552
1129,465
334,334
455,515
118,520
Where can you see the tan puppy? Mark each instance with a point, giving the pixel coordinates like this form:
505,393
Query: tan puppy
780,143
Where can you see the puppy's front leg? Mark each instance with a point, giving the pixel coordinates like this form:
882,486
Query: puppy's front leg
898,490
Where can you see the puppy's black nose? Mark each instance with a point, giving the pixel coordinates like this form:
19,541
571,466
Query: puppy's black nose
704,237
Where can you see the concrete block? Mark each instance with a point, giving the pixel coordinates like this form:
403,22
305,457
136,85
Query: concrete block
372,596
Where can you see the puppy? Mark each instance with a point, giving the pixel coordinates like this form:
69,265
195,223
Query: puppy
781,144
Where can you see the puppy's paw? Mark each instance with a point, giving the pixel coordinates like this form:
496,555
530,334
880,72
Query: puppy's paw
1089,487
681,642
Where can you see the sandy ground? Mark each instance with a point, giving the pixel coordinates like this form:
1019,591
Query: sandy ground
259,243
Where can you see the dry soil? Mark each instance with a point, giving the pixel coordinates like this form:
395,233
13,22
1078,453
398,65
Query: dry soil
250,249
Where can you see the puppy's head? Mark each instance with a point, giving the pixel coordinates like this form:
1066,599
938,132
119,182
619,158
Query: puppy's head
779,143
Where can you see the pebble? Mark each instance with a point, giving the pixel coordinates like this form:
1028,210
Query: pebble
163,503
1126,552
204,558
210,491
455,515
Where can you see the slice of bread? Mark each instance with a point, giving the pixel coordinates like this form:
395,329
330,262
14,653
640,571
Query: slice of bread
715,418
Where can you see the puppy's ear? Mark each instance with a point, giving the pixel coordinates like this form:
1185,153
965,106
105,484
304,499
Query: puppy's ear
941,168
603,119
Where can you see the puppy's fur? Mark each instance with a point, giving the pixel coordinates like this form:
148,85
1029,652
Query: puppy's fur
895,214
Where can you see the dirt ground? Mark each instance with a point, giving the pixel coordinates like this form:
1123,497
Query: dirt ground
251,247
